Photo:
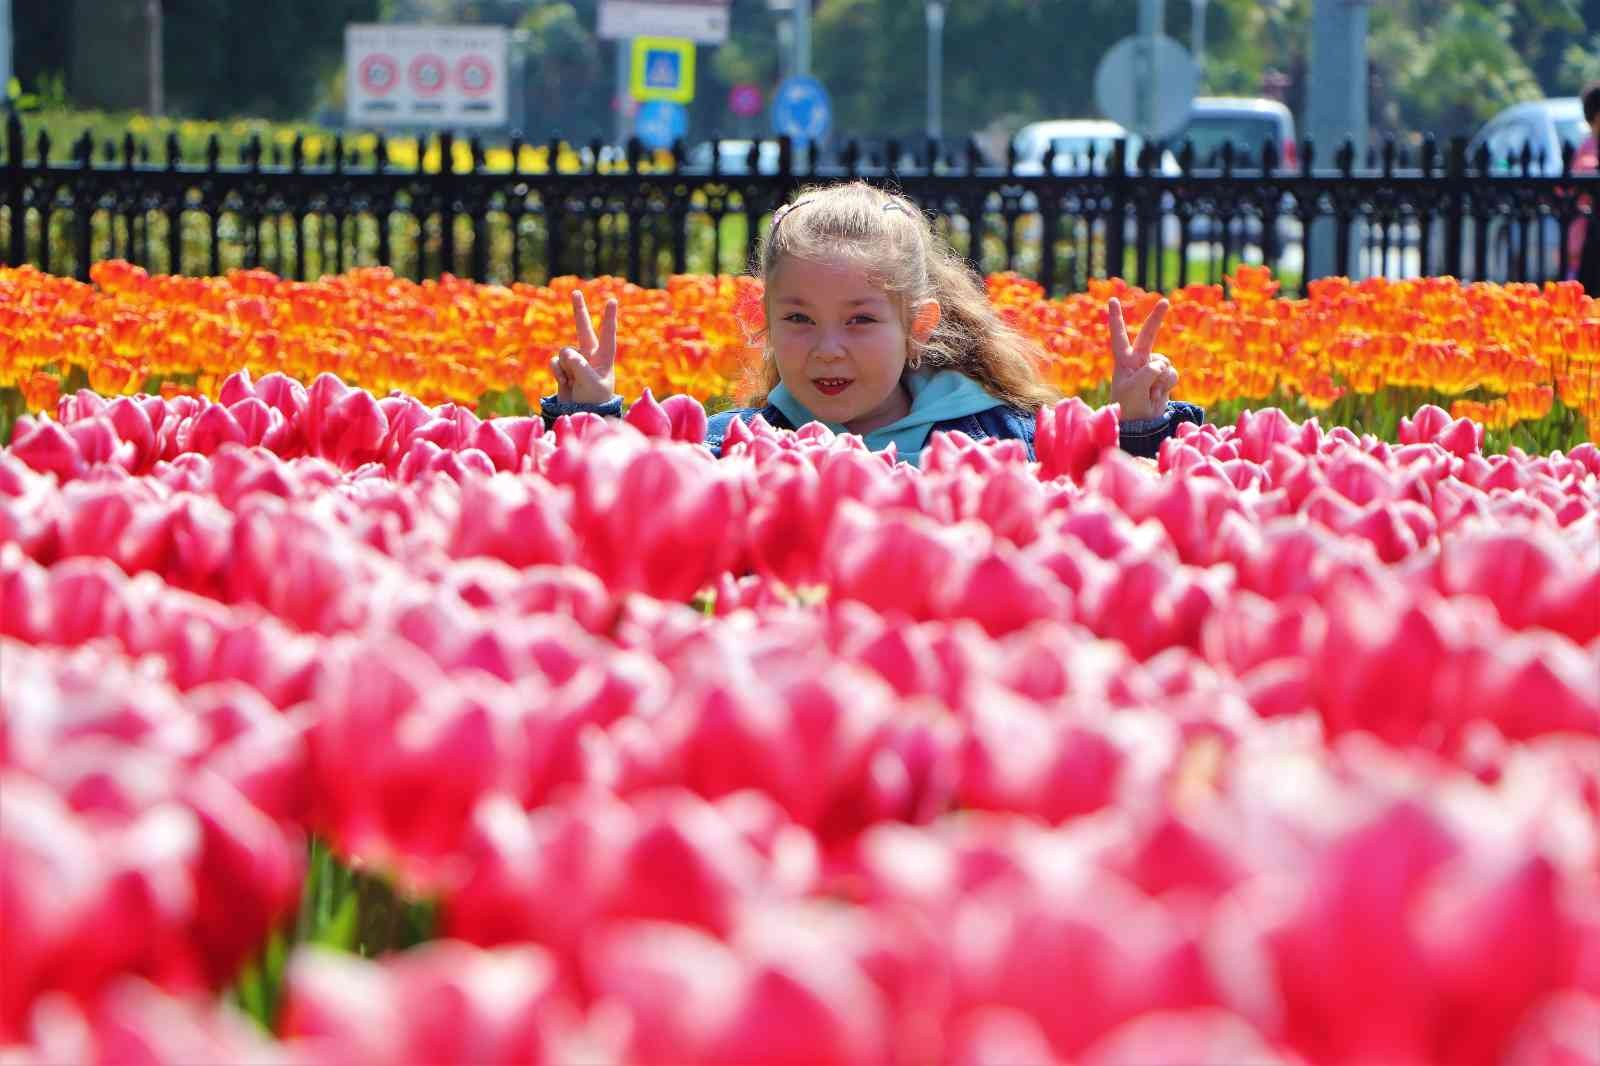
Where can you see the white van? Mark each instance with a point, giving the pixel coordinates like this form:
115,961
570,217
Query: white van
1246,122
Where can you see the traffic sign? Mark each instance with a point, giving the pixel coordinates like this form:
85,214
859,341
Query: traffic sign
1158,63
475,75
379,74
744,100
663,69
800,109
428,74
412,75
658,123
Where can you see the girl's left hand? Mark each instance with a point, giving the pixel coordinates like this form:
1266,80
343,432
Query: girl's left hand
1142,379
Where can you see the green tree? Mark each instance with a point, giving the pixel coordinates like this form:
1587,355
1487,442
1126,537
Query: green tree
268,57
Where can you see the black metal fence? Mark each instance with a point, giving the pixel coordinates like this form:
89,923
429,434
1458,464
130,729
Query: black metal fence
594,209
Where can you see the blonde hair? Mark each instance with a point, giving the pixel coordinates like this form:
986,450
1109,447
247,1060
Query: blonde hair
890,238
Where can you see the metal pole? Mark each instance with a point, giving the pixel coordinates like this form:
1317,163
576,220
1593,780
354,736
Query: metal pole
1197,36
152,19
1152,17
935,69
802,37
622,97
5,43
1336,106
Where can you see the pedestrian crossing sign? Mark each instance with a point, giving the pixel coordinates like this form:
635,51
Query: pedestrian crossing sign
663,69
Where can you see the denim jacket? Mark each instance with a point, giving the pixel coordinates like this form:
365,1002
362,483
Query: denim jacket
1142,438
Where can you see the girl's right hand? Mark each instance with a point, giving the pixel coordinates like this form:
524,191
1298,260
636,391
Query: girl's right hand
588,373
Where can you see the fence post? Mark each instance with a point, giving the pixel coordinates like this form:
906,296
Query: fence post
14,194
214,208
1341,239
447,206
82,210
550,199
175,210
1117,182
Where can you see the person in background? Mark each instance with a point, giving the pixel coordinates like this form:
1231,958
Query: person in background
874,326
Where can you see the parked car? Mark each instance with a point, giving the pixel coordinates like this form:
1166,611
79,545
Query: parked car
1542,127
1246,122
1081,145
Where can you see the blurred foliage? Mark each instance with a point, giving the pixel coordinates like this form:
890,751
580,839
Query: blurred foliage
1441,66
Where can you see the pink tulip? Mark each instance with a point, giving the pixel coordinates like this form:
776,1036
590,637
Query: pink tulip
1071,437
688,418
46,447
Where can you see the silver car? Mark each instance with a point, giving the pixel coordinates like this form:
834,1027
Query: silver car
1541,127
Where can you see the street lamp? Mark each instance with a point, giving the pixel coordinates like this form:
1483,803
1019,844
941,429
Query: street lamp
1197,35
794,35
935,12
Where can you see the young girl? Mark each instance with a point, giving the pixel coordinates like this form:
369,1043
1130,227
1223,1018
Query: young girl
875,327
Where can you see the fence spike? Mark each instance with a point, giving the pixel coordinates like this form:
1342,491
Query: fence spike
44,147
174,151
1346,158
338,153
213,152
1308,151
14,140
1430,154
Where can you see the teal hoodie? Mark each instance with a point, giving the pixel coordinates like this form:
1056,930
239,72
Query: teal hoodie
936,396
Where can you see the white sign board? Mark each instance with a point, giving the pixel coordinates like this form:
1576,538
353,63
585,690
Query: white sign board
401,75
701,21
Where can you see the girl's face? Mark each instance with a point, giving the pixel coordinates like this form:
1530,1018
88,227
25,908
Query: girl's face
841,343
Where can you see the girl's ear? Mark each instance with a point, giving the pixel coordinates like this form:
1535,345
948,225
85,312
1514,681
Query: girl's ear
925,320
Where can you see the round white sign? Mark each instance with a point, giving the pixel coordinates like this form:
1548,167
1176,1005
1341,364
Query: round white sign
1160,63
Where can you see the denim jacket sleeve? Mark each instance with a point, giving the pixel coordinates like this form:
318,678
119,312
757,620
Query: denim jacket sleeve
1143,437
552,408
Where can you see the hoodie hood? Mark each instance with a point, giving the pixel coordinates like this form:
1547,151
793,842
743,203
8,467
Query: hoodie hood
936,396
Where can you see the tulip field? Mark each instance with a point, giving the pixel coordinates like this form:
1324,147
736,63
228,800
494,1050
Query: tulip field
350,713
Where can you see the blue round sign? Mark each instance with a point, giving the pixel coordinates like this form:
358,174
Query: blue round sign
658,123
800,109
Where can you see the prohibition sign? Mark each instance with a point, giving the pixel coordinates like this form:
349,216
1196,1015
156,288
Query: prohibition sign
474,75
427,73
379,73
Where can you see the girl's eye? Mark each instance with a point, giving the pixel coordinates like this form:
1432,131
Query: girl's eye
864,319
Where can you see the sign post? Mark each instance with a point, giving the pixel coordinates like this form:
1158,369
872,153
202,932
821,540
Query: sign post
441,76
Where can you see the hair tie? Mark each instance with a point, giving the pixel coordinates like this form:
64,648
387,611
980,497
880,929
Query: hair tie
781,213
892,205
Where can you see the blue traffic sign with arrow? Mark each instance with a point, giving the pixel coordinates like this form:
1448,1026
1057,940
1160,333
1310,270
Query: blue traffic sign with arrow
658,123
800,109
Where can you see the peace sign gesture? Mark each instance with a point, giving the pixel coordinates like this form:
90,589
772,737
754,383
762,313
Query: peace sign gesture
587,373
1141,379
